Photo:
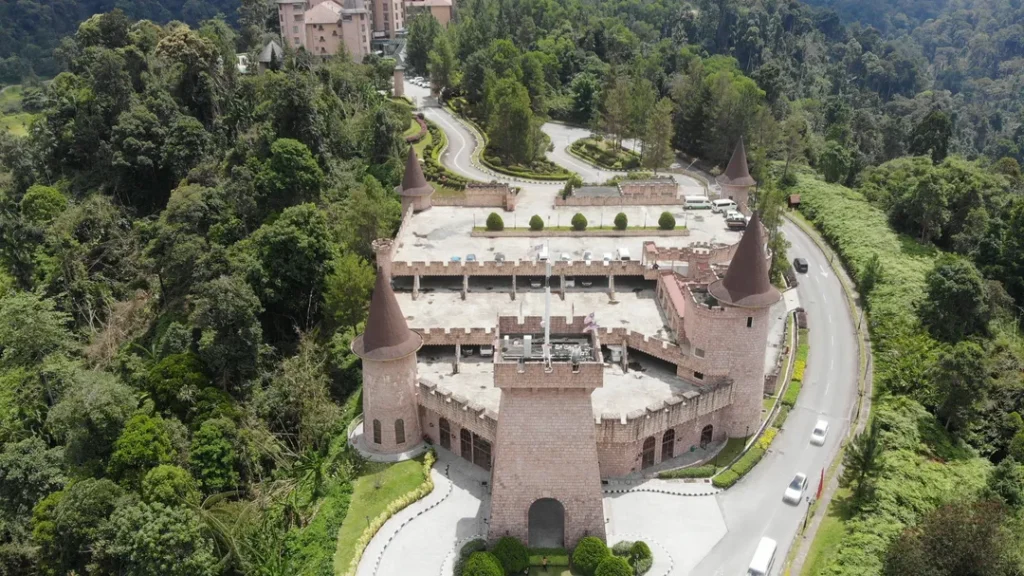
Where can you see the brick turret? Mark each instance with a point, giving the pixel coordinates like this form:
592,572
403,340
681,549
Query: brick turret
736,181
414,190
388,349
727,325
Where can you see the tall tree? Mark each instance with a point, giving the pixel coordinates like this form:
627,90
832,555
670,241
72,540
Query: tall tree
957,303
511,126
422,30
615,113
862,461
961,383
931,136
658,152
442,65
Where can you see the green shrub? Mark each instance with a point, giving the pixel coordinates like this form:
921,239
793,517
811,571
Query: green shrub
623,548
478,545
512,555
579,222
620,221
536,223
614,566
482,564
640,550
495,223
705,471
792,392
780,419
588,555
725,480
643,565
667,221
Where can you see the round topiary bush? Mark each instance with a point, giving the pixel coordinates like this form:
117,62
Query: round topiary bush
614,566
482,564
579,222
495,223
640,549
588,555
621,221
512,554
667,221
536,223
478,545
623,548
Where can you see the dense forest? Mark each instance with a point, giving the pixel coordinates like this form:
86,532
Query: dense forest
186,251
186,258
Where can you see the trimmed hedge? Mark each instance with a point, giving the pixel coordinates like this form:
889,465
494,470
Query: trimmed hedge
495,223
579,222
705,471
623,548
482,564
746,462
640,550
667,221
621,222
614,566
536,223
589,553
591,151
512,555
478,545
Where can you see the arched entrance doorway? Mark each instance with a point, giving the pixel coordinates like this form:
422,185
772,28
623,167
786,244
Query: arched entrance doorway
705,435
648,459
445,433
547,524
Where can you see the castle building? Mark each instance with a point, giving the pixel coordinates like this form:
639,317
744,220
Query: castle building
326,27
441,10
554,403
736,181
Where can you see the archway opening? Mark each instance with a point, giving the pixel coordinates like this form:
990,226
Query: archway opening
547,524
668,445
648,458
445,433
706,434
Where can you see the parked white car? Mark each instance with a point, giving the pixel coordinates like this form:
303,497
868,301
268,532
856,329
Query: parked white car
796,488
819,433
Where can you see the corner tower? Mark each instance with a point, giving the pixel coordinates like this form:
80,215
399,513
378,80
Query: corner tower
414,191
727,326
391,423
547,484
736,181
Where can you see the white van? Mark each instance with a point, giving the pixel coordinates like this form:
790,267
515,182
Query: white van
723,205
764,558
623,254
542,255
697,203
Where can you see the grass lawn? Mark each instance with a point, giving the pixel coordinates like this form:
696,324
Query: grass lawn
830,532
414,128
441,190
732,449
16,124
419,146
369,500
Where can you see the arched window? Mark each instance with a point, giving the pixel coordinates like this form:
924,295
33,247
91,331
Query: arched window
399,431
466,444
706,434
668,444
445,432
376,431
648,457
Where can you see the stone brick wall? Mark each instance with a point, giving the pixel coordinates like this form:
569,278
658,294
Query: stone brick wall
559,375
389,394
522,268
493,195
620,459
546,448
453,336
618,201
436,403
655,189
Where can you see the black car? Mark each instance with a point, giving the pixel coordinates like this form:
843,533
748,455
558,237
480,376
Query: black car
800,264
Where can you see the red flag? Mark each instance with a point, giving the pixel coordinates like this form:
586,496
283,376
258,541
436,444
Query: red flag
821,484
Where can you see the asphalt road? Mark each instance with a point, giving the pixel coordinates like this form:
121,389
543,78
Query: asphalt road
753,508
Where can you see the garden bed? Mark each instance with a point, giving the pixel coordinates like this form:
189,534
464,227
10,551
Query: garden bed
539,169
605,154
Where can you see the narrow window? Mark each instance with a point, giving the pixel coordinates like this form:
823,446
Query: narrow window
698,375
698,352
399,431
376,431
750,321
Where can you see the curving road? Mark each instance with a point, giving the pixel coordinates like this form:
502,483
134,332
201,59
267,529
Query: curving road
753,507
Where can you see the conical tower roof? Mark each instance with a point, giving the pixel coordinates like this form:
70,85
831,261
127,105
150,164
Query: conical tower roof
413,183
737,173
387,336
746,283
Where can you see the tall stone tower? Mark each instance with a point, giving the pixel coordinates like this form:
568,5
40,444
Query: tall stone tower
547,485
399,79
388,348
414,191
728,326
736,181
